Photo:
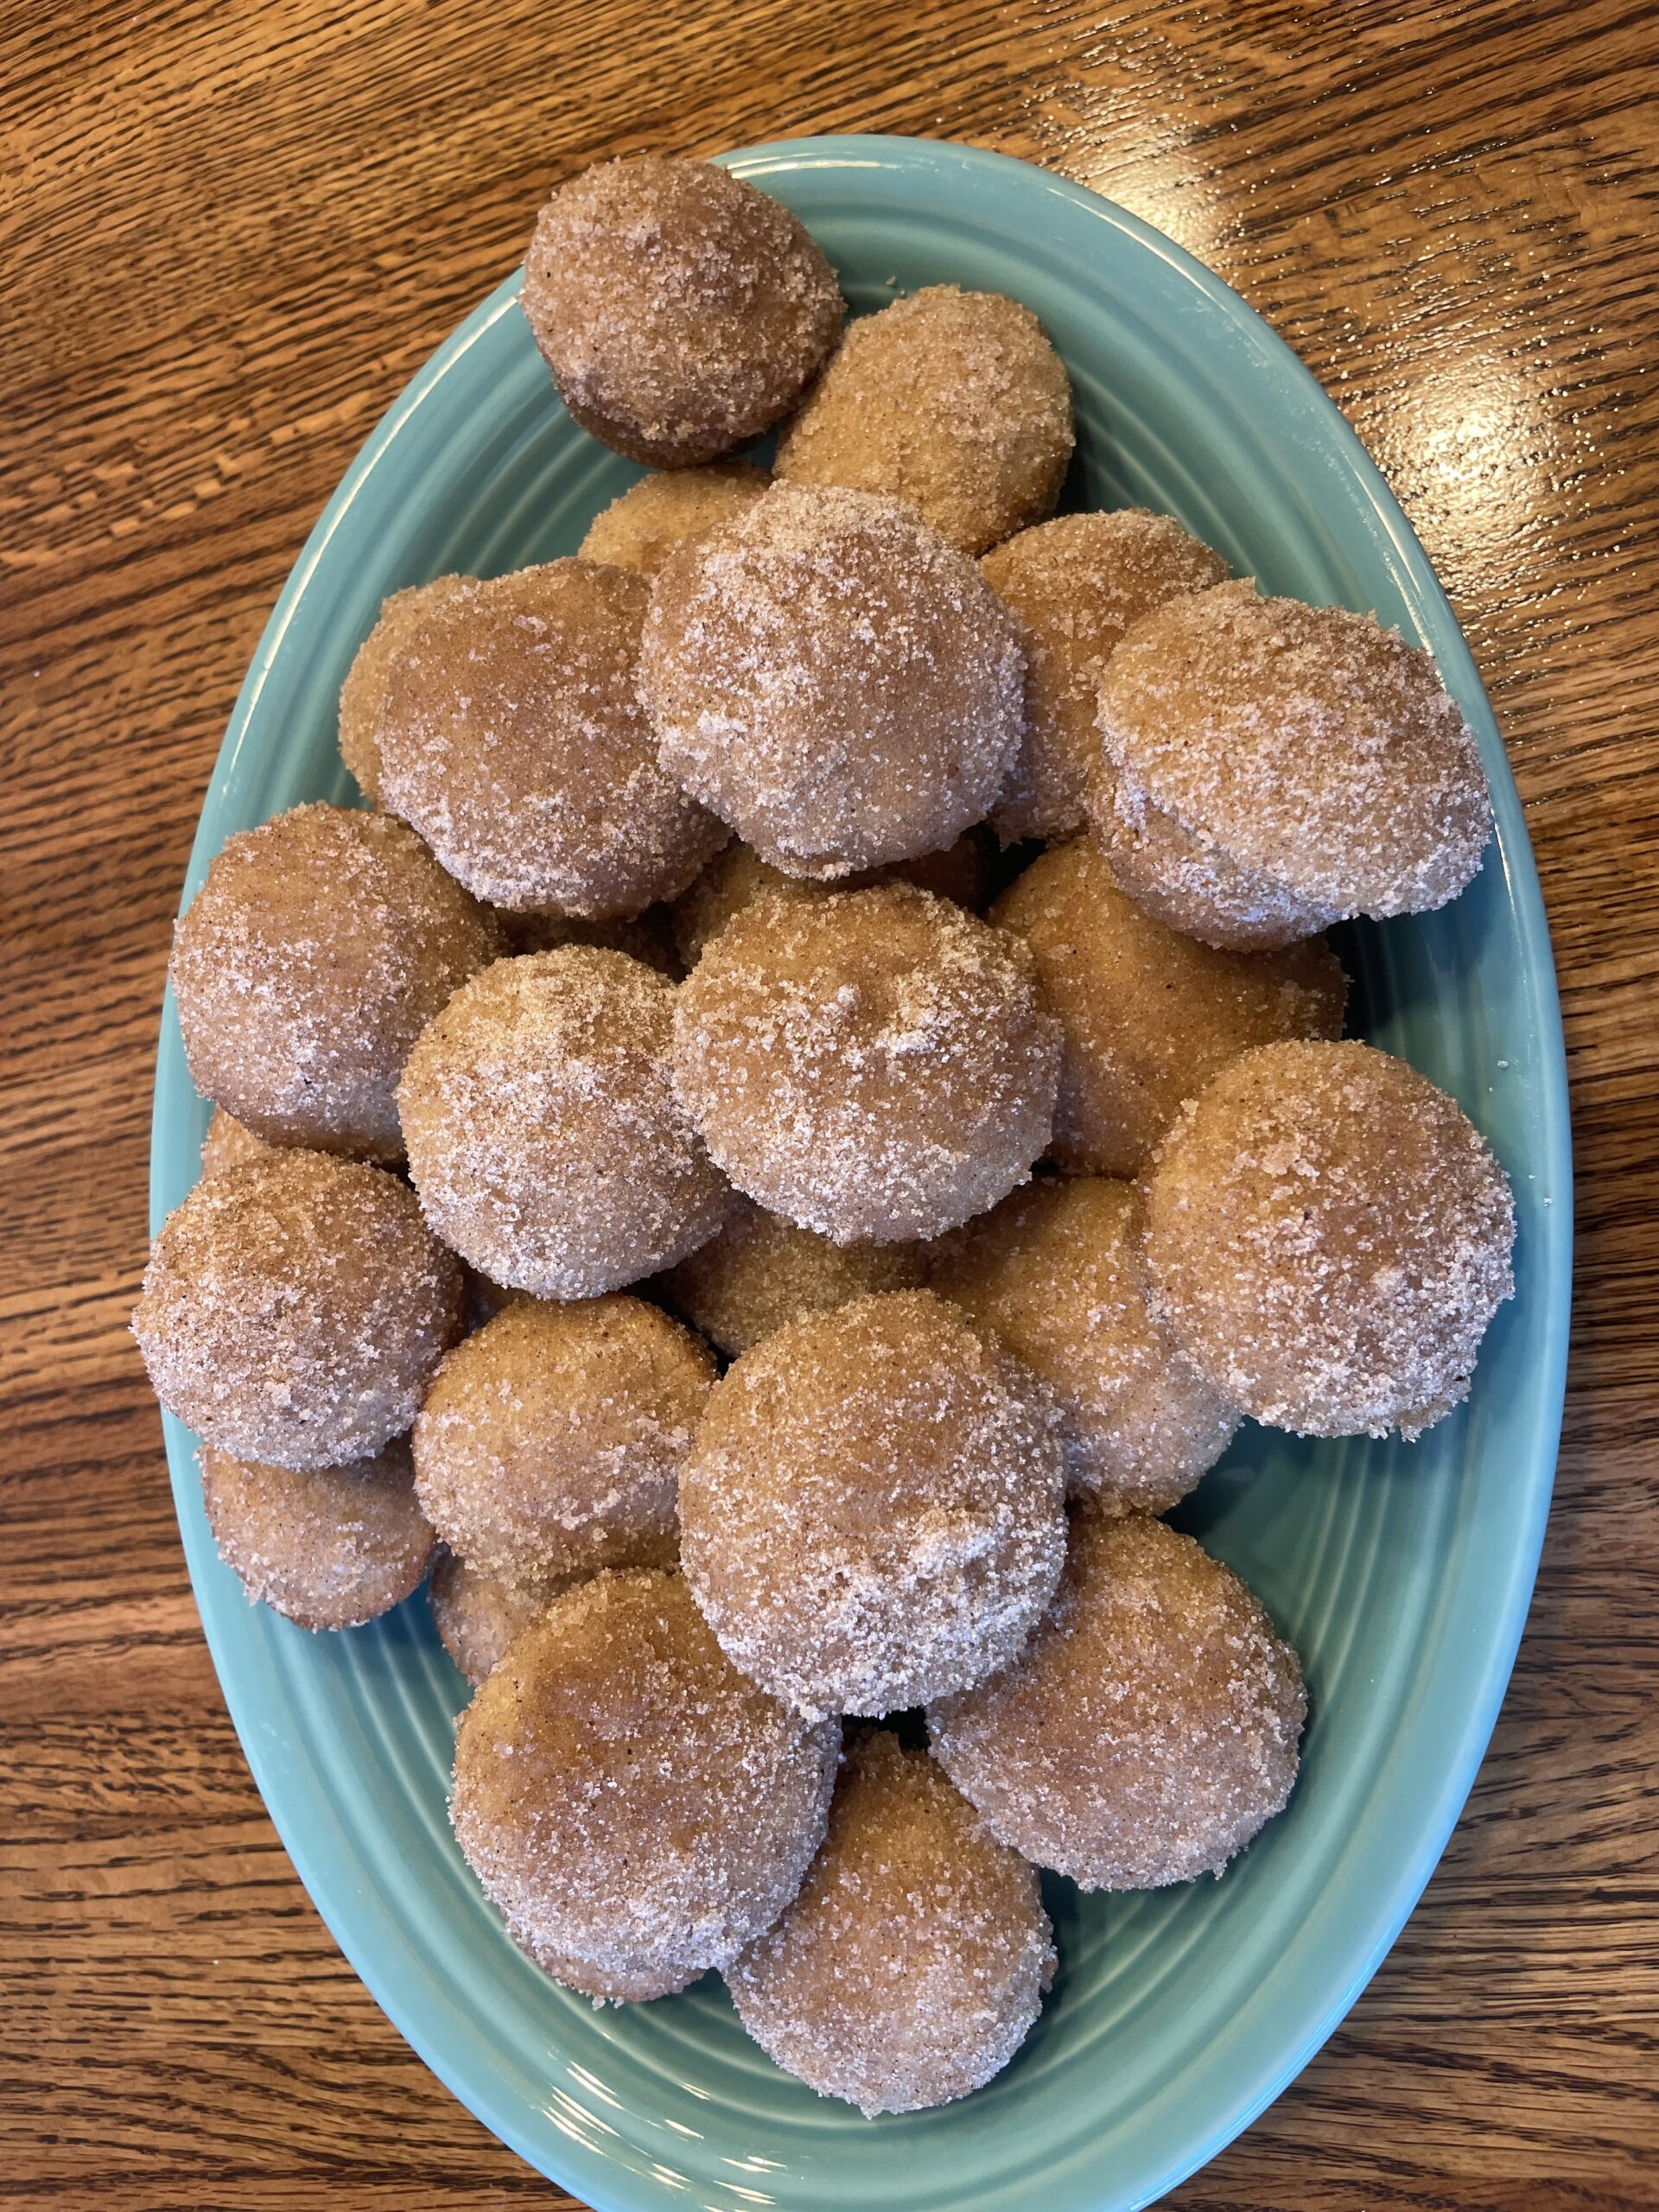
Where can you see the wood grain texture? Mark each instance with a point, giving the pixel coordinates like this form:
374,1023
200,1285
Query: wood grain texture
230,230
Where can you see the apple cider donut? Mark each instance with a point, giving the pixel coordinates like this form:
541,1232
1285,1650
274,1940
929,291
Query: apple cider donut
832,679
911,1967
550,1441
1149,1728
1054,1274
874,1064
294,1309
1269,768
637,1809
544,1134
1074,585
681,311
325,1547
871,1510
954,401
512,736
318,949
1147,1015
1328,1237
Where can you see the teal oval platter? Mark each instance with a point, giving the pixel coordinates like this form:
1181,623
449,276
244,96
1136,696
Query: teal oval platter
1400,1572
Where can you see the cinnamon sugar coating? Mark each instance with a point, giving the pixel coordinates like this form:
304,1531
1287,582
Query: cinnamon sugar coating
1150,1727
759,1272
512,736
1268,768
871,1511
294,1309
875,1065
480,1617
642,525
954,401
312,958
550,1441
736,877
832,679
681,311
325,1547
1328,1237
1053,1274
913,1962
637,1808
544,1134
1074,585
363,695
1147,1015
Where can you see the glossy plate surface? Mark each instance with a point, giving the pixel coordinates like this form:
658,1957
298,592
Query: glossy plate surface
1400,1573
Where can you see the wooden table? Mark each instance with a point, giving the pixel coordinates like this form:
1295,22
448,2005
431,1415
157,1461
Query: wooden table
232,230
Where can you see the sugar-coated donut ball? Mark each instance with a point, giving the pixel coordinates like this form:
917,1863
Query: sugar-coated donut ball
1268,768
229,1144
1054,1274
1147,1015
543,1130
1074,585
294,1309
1328,1237
318,949
911,1967
872,1508
364,692
551,1440
681,311
954,401
480,1617
641,528
963,873
637,1809
833,680
512,736
759,1272
325,1547
875,1065
648,937
1150,1727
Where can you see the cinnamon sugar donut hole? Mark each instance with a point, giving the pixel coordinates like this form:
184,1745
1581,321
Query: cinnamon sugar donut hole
641,528
1053,1274
325,1547
832,679
1268,768
954,401
550,1441
648,937
319,947
681,311
512,736
871,1512
913,1962
874,1064
1328,1237
544,1137
1074,585
1150,1727
294,1309
734,878
637,1809
229,1144
364,692
1147,1015
480,1617
759,1272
